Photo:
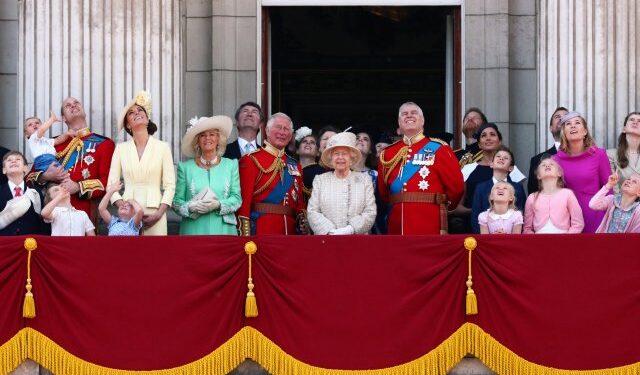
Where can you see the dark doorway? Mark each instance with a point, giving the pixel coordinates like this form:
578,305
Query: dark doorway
354,66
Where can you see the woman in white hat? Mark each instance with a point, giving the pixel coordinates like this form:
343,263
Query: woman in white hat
342,201
145,164
208,188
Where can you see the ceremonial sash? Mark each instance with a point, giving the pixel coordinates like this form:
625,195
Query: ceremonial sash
88,147
276,196
411,168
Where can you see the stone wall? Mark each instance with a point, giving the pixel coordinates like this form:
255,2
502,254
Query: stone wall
9,74
500,69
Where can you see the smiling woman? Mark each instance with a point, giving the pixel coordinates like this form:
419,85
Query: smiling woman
586,167
342,201
145,164
208,187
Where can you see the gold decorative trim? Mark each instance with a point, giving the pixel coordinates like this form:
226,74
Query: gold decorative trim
250,343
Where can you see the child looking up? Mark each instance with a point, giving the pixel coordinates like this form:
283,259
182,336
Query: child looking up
65,220
553,209
42,148
623,209
503,217
128,222
502,164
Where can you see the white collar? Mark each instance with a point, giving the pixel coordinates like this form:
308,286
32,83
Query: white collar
243,142
557,144
505,215
12,187
495,180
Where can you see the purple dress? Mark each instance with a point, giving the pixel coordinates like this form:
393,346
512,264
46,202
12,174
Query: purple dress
585,174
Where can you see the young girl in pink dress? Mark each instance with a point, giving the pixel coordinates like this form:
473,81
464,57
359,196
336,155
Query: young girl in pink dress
553,209
503,217
623,209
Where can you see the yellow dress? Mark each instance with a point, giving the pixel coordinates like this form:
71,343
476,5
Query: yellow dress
150,180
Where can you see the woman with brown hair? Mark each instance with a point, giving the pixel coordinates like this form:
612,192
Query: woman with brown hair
586,167
145,164
625,159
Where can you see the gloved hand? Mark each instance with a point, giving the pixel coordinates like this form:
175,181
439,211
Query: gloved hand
342,231
213,205
199,206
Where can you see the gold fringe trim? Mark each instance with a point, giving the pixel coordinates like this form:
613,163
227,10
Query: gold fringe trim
250,343
503,361
53,357
13,352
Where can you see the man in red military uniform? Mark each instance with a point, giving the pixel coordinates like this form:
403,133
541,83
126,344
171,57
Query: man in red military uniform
419,177
271,185
84,161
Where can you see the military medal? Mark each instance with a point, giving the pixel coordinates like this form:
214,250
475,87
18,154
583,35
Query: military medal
430,159
85,173
293,169
424,171
89,159
423,185
91,147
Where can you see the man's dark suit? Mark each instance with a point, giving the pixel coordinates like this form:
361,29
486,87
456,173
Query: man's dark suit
29,223
233,150
3,178
532,182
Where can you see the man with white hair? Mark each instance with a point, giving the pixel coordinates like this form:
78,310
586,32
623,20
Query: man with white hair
271,184
420,177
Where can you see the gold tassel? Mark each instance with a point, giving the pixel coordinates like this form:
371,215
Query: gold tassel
470,244
250,305
29,306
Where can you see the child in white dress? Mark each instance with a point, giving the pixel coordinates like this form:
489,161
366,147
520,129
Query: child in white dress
503,217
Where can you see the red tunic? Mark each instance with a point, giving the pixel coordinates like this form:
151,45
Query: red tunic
260,173
88,161
442,176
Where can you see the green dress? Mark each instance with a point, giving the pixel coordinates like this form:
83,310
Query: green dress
224,181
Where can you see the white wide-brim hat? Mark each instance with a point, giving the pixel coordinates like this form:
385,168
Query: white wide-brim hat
222,123
143,99
344,139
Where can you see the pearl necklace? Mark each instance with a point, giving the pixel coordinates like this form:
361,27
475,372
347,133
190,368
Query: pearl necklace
208,163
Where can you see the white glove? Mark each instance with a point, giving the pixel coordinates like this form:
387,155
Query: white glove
198,206
213,205
341,231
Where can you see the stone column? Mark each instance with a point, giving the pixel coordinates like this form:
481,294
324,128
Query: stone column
9,134
589,56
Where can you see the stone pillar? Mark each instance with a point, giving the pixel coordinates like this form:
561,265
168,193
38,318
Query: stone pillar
101,52
500,69
9,123
589,56
233,54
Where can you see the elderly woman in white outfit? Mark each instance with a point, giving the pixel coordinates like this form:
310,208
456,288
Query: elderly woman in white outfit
342,201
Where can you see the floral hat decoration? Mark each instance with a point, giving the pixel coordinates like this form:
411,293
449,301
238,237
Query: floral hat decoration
200,124
143,99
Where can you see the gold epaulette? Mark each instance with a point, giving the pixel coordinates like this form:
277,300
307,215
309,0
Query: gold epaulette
87,187
439,141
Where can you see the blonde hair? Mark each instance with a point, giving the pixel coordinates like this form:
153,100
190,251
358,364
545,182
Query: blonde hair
587,142
222,143
512,204
559,182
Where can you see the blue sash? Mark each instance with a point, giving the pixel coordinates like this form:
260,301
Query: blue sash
410,169
91,143
277,194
